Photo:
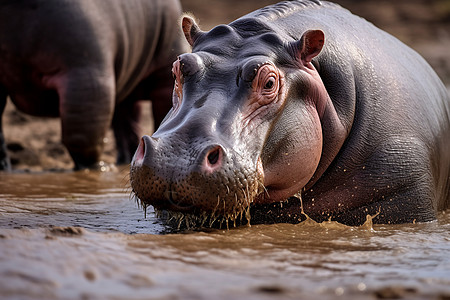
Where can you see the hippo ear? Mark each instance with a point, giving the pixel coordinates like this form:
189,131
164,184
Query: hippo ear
191,30
310,45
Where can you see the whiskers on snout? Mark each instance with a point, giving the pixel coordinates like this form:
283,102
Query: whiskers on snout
191,219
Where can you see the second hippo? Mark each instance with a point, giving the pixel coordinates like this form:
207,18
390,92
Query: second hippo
88,62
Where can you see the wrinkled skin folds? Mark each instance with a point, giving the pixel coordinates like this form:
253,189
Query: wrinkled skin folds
291,110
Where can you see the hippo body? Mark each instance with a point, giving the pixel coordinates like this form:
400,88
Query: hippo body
88,62
301,100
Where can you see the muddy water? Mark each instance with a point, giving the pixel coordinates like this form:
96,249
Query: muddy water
79,236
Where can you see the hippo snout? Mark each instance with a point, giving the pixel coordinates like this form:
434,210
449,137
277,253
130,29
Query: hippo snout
209,160
200,180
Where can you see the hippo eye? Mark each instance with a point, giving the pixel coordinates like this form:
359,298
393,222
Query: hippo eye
177,76
270,83
190,64
266,82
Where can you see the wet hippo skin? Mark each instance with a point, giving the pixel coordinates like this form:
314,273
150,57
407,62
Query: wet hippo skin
299,104
88,62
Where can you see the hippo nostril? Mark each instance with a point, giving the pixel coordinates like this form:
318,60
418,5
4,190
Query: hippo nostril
213,159
213,156
140,152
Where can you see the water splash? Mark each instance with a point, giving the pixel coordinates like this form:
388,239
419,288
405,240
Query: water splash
243,216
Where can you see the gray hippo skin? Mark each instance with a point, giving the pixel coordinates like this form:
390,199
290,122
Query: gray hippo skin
88,62
299,101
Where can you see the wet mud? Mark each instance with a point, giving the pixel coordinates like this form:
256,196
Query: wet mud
79,235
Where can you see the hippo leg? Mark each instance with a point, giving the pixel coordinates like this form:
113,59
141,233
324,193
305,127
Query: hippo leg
161,88
158,88
86,107
127,131
4,159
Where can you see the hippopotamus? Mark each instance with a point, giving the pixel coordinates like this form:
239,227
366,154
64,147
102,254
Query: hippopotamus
88,62
298,109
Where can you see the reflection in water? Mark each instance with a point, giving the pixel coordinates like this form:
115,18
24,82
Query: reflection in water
78,235
97,201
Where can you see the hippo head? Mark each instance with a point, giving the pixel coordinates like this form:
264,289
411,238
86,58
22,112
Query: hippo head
245,127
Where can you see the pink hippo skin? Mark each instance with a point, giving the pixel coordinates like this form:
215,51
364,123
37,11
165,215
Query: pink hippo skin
299,100
88,62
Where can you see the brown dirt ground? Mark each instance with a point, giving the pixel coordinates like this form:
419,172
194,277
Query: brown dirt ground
34,143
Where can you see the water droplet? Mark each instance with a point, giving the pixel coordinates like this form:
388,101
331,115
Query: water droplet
339,291
361,286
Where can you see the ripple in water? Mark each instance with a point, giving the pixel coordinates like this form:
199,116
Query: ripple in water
79,235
